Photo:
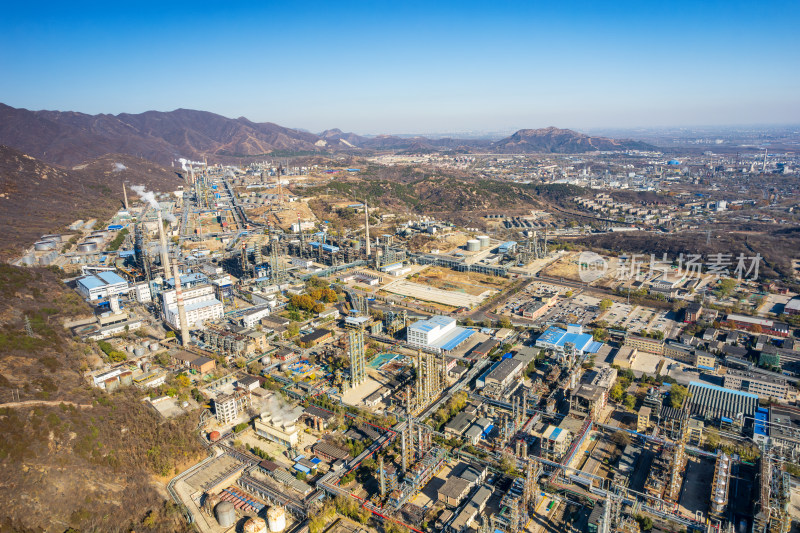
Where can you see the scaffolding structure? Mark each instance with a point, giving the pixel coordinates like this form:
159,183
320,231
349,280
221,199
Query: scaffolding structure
533,248
431,378
357,364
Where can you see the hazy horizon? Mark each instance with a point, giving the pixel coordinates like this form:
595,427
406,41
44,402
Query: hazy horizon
413,67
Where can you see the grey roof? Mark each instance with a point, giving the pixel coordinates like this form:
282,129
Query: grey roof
504,369
710,401
454,487
460,423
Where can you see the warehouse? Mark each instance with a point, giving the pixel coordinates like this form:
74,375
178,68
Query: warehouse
555,338
437,334
101,285
717,403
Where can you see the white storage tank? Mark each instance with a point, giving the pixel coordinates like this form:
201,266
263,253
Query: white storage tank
139,351
484,240
255,525
154,346
473,245
276,518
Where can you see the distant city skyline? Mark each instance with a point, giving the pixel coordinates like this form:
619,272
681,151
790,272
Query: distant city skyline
412,67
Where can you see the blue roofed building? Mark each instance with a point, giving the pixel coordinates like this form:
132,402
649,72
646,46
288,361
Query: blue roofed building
98,285
555,338
437,334
507,247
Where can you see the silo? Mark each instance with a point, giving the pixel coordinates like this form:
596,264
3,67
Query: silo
139,351
225,513
52,237
154,346
87,247
276,517
473,245
129,348
356,245
484,240
255,525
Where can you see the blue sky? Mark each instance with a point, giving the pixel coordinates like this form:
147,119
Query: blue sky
394,67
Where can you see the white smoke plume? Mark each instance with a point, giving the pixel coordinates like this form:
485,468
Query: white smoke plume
119,167
150,198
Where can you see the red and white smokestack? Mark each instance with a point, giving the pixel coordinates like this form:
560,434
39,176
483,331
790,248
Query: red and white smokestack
181,309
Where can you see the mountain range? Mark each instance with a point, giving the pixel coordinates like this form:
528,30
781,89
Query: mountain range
38,198
68,138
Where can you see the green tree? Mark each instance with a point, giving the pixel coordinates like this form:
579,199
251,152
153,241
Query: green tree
677,393
630,401
183,380
605,303
617,392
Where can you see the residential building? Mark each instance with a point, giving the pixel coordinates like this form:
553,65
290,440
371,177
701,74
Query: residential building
763,385
645,344
643,419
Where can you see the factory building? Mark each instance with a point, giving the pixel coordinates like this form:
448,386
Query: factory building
200,304
253,316
555,442
729,407
555,338
98,285
280,427
437,334
228,407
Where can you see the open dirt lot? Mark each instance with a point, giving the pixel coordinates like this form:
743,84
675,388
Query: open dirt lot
453,298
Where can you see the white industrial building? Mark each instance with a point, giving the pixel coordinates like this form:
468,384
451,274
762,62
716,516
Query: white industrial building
200,304
141,291
98,285
253,316
437,334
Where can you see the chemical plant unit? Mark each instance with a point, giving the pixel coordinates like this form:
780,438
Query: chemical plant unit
464,389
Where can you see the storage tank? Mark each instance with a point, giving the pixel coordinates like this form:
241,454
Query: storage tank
94,239
129,348
473,245
255,525
484,240
154,346
276,517
139,351
225,513
44,246
52,237
214,436
87,247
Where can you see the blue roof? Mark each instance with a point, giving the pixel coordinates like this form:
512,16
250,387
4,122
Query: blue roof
110,277
551,335
302,468
556,432
488,430
126,253
705,367
760,424
458,339
593,347
508,355
726,419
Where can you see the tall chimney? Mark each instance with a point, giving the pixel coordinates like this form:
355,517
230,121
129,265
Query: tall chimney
164,250
125,194
366,221
181,309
